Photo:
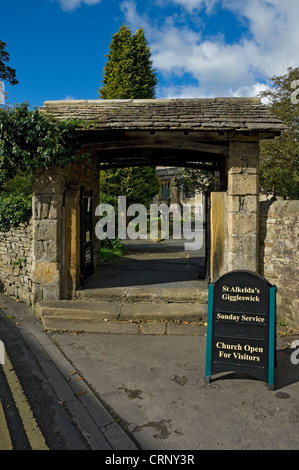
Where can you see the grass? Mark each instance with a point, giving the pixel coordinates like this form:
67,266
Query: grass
111,249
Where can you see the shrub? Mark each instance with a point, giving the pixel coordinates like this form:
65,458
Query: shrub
14,209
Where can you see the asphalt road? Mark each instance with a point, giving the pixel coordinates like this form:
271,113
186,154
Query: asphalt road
155,384
35,417
129,392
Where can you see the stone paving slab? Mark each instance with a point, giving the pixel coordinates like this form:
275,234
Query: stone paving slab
92,311
149,311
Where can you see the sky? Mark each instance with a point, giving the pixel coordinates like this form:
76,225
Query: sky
199,48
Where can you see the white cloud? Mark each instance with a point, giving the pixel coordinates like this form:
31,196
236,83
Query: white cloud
273,25
242,68
189,91
252,90
184,91
133,18
192,5
70,5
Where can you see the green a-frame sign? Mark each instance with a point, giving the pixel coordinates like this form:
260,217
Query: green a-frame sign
241,332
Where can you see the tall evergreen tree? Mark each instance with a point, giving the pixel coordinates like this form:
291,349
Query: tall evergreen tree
144,79
128,74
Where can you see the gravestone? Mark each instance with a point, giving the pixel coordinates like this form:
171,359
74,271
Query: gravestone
241,326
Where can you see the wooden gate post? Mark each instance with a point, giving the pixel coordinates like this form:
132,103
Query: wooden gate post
218,234
71,243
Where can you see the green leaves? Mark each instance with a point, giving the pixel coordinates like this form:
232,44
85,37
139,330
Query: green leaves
30,139
279,166
196,180
128,74
7,73
14,209
139,185
16,201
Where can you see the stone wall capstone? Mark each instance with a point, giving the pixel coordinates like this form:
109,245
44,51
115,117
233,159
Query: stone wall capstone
16,262
279,254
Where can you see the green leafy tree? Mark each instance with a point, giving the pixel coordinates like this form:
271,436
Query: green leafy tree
28,140
7,73
279,166
196,180
31,139
128,74
138,184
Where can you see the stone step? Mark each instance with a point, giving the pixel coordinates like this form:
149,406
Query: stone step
124,311
144,294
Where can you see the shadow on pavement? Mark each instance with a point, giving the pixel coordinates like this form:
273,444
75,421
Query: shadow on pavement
150,264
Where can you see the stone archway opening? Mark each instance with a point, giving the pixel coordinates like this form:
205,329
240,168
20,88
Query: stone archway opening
167,258
221,135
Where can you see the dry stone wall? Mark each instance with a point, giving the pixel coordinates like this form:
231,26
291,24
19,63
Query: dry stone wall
279,254
16,262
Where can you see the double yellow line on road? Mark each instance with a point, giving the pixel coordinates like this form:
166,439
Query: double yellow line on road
5,441
34,434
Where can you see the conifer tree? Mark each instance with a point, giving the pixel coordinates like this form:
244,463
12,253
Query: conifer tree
128,74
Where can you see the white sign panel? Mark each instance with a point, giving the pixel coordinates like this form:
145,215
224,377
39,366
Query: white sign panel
2,93
2,353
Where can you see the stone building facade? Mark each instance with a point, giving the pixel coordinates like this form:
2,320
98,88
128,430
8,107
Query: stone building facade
172,189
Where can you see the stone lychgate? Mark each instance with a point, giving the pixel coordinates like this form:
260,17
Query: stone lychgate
221,134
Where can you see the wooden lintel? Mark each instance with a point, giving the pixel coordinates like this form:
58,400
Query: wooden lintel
152,158
201,166
181,145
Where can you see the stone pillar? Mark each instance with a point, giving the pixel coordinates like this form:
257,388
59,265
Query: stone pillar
243,205
56,228
47,232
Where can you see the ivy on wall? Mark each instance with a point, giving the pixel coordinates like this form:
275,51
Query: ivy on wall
29,139
14,210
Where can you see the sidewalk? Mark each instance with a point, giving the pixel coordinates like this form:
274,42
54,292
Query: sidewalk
96,424
148,391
